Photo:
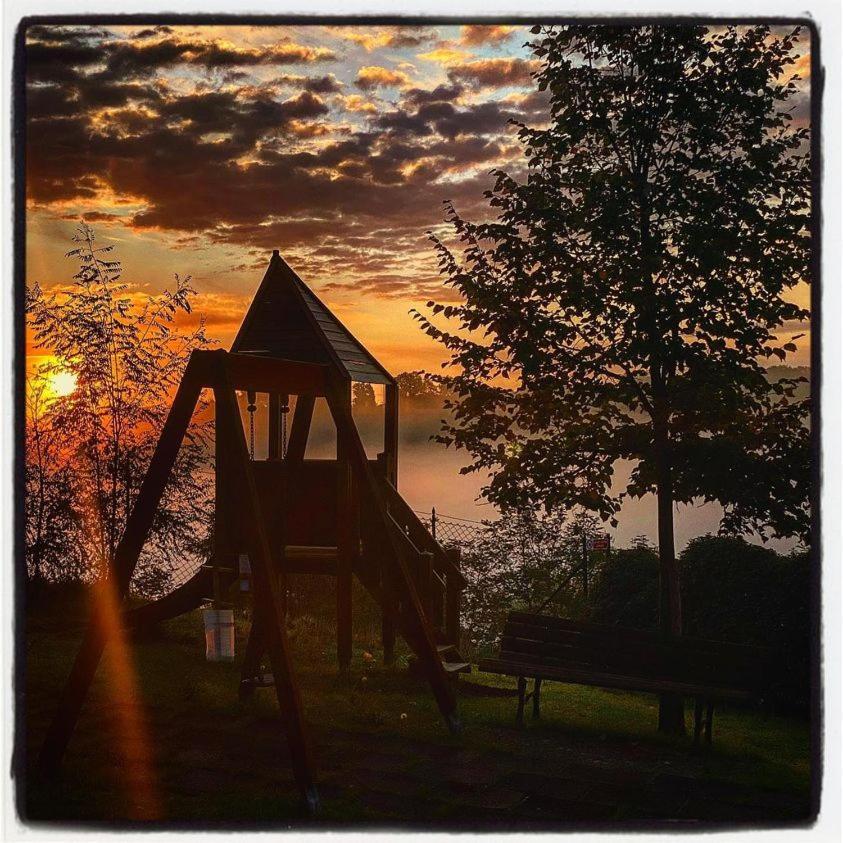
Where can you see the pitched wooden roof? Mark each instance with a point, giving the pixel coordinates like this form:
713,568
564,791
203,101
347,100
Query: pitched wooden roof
287,320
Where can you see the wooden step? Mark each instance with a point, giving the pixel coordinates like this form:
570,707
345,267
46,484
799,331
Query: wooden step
450,667
456,667
264,680
308,551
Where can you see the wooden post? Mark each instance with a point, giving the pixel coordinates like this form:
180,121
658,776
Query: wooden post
522,698
302,417
110,594
699,704
537,685
425,584
273,449
415,628
345,549
709,719
390,432
252,657
267,602
390,462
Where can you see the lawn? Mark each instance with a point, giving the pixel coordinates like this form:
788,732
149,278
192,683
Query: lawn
185,750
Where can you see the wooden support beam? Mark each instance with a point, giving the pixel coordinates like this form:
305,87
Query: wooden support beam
252,657
302,418
424,584
273,444
390,473
264,374
106,611
415,628
267,600
390,432
345,542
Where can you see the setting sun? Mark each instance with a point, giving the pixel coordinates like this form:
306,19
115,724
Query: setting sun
62,383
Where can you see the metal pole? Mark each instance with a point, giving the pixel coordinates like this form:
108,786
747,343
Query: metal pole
584,564
433,522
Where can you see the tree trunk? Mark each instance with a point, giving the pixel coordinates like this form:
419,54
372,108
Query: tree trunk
671,706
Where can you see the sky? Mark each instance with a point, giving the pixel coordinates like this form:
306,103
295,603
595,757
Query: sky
198,149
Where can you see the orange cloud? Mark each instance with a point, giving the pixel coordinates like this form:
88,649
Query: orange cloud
354,102
445,55
394,36
474,35
373,76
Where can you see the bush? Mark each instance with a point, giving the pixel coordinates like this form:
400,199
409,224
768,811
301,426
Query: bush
731,591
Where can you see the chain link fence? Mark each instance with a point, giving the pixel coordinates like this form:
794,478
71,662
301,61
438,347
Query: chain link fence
450,530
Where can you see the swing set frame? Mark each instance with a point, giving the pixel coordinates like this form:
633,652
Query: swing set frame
384,568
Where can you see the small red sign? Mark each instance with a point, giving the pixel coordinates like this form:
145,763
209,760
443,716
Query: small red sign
599,543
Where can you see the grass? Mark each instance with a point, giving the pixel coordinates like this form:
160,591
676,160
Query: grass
200,756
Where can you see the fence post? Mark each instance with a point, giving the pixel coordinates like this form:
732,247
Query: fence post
433,522
425,584
453,599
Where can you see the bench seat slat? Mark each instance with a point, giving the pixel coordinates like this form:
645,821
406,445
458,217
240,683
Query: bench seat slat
564,650
607,680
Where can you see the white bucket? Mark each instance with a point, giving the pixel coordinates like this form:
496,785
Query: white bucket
219,634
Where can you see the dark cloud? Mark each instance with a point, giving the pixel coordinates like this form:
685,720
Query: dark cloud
151,33
228,159
441,93
494,73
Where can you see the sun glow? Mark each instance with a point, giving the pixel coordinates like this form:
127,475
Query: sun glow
62,383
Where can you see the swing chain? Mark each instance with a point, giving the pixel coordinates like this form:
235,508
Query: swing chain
285,408
251,407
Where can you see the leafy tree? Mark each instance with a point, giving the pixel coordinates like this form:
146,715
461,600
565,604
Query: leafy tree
417,387
362,396
52,524
525,560
126,354
634,284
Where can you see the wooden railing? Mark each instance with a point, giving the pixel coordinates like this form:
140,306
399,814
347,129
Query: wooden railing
436,571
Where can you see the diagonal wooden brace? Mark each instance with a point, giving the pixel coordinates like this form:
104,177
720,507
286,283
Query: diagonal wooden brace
110,593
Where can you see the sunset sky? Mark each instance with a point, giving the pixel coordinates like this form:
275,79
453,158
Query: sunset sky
197,150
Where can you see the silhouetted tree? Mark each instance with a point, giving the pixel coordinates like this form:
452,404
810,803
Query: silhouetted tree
362,396
52,526
126,354
625,300
417,387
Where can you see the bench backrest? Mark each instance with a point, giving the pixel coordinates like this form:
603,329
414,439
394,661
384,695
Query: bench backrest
559,642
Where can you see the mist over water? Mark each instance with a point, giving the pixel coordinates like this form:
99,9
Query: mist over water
429,475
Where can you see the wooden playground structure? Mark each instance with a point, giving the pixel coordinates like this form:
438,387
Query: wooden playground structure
341,517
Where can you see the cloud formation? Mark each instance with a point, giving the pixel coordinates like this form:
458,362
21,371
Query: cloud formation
374,76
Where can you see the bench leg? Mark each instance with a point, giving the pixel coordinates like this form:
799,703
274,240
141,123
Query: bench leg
522,698
537,684
698,719
709,716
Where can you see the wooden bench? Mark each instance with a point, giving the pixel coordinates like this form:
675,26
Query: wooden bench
560,650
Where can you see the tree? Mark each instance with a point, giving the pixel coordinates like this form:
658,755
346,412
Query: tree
625,300
363,396
417,387
125,354
517,562
52,523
